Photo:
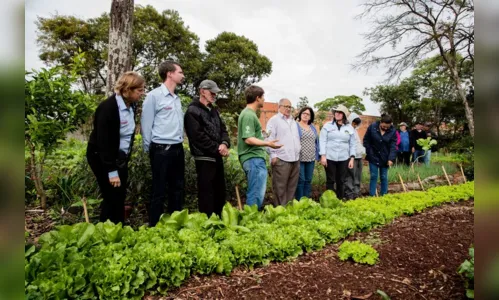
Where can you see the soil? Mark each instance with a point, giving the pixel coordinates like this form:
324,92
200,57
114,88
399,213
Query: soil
419,256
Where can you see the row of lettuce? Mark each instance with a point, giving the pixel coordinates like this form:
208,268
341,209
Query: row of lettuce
108,261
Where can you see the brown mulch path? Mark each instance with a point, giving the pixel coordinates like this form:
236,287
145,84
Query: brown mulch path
419,256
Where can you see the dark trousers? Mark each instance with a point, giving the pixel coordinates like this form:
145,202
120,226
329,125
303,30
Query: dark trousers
336,172
404,157
113,203
211,186
167,164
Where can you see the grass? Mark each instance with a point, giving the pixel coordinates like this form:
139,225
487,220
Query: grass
450,157
435,168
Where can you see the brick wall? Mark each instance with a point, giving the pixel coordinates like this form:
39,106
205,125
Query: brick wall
270,109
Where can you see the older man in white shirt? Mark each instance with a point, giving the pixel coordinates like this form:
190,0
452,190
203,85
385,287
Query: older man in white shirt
286,160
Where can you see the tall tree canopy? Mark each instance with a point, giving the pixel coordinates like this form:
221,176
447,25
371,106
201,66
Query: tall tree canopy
416,29
352,102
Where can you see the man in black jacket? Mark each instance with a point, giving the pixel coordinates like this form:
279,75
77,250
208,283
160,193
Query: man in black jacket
208,142
417,150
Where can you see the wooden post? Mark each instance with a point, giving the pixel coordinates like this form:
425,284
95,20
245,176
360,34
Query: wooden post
238,198
446,176
420,182
402,182
462,172
84,201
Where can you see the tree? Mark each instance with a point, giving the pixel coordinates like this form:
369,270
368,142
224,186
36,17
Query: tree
119,59
62,37
439,100
415,29
52,108
156,37
400,101
353,103
234,63
302,103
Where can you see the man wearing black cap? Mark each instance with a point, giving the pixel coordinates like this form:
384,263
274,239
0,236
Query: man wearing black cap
208,142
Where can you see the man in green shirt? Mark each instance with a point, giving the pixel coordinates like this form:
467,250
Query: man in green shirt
250,146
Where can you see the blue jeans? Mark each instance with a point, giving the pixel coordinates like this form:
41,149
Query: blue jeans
256,173
416,154
383,174
427,158
304,186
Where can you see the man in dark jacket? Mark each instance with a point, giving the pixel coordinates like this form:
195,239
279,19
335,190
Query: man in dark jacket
380,141
208,142
417,150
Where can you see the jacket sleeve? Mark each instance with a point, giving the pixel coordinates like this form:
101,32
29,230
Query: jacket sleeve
272,132
103,124
367,143
225,134
353,144
412,139
393,148
323,141
196,135
147,120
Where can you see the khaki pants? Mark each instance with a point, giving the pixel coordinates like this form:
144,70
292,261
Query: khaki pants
284,181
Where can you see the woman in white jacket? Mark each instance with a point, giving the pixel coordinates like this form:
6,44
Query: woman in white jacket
337,150
352,185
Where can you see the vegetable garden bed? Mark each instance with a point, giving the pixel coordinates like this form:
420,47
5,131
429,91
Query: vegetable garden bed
84,260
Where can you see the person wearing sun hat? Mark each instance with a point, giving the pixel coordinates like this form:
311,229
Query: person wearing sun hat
404,150
337,146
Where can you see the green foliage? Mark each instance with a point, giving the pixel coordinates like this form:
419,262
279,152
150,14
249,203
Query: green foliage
52,108
302,103
61,37
234,63
87,261
400,101
359,252
467,271
353,103
330,200
426,143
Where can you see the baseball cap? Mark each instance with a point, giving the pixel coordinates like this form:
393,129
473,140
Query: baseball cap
209,85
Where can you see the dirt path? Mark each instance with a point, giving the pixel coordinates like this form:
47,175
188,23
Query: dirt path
419,256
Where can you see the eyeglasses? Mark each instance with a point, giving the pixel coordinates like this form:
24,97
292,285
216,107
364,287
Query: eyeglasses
306,114
287,106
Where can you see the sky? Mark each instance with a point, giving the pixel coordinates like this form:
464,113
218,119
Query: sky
312,45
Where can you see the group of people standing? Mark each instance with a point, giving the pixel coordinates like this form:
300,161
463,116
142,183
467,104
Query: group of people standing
293,144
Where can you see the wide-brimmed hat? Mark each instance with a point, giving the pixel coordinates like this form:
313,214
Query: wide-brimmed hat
341,108
403,124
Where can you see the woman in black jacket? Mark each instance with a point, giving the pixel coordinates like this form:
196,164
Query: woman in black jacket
110,144
380,142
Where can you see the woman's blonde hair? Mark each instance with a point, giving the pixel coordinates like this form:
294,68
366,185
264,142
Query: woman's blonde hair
128,82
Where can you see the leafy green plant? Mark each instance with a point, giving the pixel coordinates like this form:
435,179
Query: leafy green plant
52,108
467,271
425,145
359,252
87,261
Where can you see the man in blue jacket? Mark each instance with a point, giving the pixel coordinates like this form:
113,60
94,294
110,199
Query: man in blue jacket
380,142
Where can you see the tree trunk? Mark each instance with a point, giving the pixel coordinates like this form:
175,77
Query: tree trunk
467,109
36,176
120,41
